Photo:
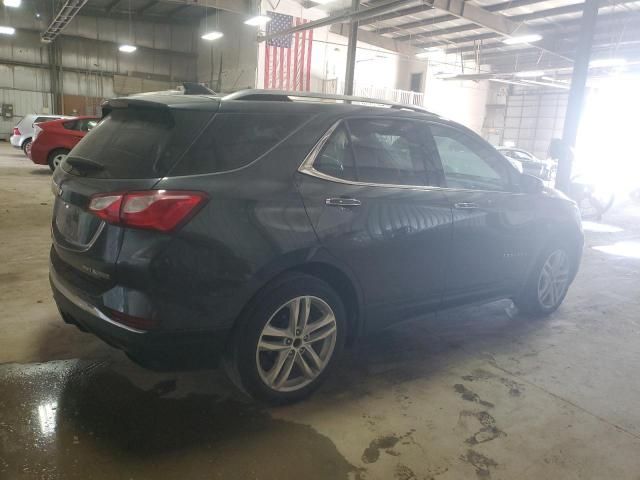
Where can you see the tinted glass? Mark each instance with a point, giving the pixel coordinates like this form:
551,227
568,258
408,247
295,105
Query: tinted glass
336,157
43,119
234,140
389,151
139,142
467,162
71,125
86,124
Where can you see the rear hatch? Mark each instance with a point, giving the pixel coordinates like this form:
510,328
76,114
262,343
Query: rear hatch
137,142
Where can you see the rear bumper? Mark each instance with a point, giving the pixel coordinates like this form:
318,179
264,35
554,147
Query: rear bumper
38,155
83,311
15,141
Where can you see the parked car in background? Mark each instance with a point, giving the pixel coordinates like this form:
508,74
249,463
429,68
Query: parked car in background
52,141
271,231
531,165
22,133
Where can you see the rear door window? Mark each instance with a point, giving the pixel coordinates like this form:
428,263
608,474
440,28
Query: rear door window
336,157
139,142
234,140
392,151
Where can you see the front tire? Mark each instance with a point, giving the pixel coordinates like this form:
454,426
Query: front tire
56,158
548,282
288,340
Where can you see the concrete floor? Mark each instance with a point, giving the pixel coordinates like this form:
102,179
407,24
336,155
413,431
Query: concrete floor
471,393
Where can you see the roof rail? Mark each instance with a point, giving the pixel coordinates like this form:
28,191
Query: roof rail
260,94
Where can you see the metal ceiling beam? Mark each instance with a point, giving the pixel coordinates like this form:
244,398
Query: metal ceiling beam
147,6
573,8
445,18
179,8
349,16
398,13
111,5
603,17
159,18
67,12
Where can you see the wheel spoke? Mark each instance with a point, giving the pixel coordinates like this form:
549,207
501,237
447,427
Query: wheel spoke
270,331
322,334
285,372
272,346
303,317
277,367
318,363
294,313
323,322
304,366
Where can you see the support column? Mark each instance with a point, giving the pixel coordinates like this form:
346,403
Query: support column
577,93
351,51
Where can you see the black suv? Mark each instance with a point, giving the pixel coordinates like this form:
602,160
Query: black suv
272,228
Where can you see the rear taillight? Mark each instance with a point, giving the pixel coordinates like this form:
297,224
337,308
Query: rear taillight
162,210
16,131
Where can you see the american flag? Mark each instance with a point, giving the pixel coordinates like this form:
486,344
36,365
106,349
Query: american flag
287,59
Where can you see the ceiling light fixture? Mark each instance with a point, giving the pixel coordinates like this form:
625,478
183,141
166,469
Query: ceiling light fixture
534,37
12,3
607,62
258,21
127,48
530,74
322,2
213,35
7,31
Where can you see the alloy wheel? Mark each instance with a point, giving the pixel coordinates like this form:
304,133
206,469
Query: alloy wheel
554,279
57,160
296,344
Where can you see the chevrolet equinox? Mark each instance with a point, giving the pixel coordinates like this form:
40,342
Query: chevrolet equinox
273,228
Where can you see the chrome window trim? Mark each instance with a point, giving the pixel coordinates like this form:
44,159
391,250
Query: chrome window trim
306,168
84,305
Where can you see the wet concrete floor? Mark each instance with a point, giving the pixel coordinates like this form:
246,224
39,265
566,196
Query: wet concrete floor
473,393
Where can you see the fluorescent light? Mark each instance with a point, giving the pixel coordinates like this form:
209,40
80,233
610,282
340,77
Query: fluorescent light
128,48
534,37
12,3
213,35
322,2
258,20
607,62
7,31
530,74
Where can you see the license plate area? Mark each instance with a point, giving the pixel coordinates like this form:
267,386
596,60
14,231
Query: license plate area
74,225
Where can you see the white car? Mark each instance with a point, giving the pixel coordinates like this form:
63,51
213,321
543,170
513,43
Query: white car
23,132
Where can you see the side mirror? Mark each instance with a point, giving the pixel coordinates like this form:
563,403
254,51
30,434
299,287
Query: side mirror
531,184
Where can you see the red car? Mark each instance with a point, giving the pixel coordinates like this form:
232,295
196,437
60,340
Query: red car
52,141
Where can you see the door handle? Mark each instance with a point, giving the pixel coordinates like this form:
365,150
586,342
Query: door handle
343,202
466,206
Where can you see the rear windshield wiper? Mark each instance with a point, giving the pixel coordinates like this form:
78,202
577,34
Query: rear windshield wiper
84,164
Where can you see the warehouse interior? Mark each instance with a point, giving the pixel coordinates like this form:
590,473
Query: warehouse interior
473,392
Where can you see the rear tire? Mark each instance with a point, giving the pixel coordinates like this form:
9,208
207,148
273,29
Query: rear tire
56,157
279,356
26,147
548,282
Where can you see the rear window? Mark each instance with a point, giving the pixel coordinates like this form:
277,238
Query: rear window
138,142
234,140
